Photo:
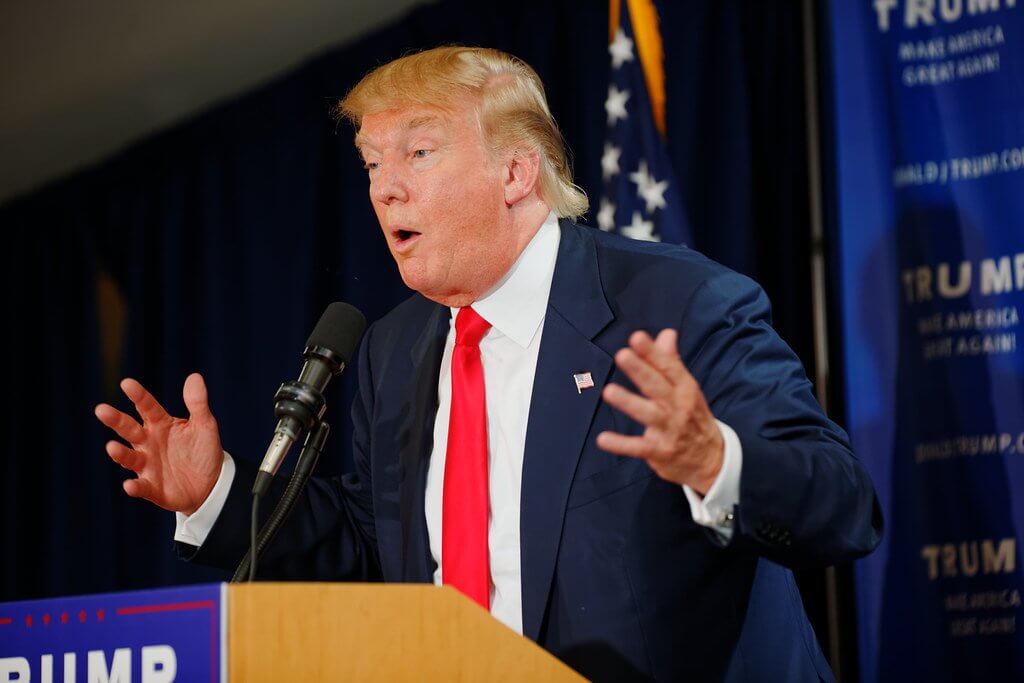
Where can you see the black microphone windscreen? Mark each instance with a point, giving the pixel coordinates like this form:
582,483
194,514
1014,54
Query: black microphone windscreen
340,328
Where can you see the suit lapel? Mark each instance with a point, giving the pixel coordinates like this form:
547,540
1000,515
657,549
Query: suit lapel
415,443
560,416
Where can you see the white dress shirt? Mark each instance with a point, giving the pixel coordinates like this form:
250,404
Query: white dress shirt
516,308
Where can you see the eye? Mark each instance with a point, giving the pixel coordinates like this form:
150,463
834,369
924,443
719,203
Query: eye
371,165
421,153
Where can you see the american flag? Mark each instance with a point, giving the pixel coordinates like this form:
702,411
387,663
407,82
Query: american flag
583,380
641,197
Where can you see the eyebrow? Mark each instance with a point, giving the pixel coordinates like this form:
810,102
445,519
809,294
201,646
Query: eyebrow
422,121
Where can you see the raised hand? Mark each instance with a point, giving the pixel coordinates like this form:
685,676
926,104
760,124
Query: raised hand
681,442
177,461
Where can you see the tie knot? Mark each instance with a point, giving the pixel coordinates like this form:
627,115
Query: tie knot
470,328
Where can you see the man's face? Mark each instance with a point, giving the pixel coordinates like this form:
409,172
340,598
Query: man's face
438,194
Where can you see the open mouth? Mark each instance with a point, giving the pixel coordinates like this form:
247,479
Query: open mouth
404,237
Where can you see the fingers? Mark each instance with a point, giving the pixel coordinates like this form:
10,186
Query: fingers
620,444
667,343
138,488
643,410
124,456
126,427
149,408
196,397
654,365
662,353
647,378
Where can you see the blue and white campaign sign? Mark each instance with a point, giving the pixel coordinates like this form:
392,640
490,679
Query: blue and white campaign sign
929,148
153,636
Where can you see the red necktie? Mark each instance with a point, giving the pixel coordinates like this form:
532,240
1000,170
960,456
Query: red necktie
464,557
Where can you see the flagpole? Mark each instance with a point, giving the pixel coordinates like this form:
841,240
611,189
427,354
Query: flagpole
819,312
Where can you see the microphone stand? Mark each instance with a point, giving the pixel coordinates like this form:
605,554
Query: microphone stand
308,458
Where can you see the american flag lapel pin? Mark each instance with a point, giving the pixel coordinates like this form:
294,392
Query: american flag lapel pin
583,381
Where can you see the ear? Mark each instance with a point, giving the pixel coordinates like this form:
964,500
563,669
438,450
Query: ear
522,173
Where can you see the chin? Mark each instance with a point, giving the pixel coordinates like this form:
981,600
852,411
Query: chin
432,291
415,279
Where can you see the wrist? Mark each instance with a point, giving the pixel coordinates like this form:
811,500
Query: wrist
707,475
203,493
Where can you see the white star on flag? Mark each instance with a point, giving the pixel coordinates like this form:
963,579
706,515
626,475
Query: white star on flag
615,105
641,177
654,194
621,49
640,229
606,216
650,189
610,160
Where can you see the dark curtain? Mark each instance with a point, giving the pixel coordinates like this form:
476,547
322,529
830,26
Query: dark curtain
215,245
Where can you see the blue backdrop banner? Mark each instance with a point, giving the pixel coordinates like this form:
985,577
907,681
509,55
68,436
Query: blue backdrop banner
929,148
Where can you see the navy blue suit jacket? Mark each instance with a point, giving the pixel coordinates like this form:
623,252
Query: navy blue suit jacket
617,579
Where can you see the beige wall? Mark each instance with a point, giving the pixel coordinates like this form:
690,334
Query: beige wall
80,80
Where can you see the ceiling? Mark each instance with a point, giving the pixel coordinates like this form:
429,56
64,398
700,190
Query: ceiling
80,80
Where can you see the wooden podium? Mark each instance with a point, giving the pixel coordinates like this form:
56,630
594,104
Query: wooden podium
268,632
373,632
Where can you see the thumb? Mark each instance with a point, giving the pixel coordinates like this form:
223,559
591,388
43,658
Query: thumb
196,399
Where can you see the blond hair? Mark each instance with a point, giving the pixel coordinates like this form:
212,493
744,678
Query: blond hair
509,97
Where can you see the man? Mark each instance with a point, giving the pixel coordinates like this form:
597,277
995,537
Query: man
629,502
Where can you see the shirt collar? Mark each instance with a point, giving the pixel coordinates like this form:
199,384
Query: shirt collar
516,305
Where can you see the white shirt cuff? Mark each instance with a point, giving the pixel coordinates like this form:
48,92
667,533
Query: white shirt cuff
193,529
715,510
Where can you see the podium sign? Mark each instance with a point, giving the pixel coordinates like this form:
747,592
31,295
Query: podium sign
273,632
150,636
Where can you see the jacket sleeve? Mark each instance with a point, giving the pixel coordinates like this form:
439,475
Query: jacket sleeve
805,500
330,534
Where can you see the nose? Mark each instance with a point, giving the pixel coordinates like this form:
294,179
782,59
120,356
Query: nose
388,185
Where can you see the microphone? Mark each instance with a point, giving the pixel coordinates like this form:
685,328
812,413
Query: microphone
300,404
